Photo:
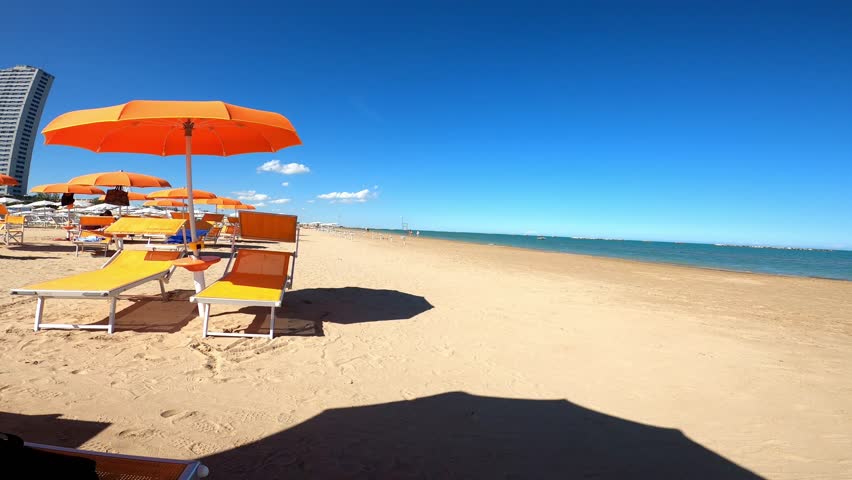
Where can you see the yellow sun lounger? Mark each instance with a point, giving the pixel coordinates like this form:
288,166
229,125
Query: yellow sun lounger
124,270
259,277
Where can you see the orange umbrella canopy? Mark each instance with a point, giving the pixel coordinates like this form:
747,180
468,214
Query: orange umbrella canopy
120,179
181,193
219,201
158,127
164,202
174,128
133,196
7,180
67,188
241,207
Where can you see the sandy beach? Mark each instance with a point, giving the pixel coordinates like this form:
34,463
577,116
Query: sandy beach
446,360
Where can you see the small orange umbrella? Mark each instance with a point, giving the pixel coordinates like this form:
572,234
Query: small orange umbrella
67,188
181,193
120,179
132,196
219,201
164,202
242,207
7,180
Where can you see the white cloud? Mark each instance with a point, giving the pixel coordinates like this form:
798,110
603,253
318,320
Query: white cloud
311,201
259,204
251,196
279,201
285,184
375,187
275,166
348,197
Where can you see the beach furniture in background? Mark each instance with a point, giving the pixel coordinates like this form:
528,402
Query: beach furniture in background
13,229
258,277
124,270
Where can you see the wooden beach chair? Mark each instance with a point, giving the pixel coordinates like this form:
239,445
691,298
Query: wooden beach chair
258,277
124,270
112,465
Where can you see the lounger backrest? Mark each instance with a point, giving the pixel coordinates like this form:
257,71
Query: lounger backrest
182,215
233,220
262,262
15,220
96,221
3,210
268,226
212,217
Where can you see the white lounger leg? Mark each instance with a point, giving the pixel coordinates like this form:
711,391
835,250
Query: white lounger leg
163,290
112,302
272,324
206,319
39,310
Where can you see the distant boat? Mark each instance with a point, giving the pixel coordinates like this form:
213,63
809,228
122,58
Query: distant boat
541,238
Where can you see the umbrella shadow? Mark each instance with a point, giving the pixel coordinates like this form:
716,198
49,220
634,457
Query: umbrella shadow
304,311
26,257
458,435
46,248
50,429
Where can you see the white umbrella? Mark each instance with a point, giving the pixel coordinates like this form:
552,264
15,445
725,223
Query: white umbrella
82,203
17,207
8,200
43,209
43,203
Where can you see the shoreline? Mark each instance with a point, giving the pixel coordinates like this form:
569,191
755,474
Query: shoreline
609,257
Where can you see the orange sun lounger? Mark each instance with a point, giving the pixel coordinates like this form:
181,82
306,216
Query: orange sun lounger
124,270
258,277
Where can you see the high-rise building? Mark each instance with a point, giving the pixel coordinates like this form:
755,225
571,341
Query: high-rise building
23,93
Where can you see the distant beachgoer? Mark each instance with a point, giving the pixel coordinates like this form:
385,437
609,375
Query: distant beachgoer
106,213
418,233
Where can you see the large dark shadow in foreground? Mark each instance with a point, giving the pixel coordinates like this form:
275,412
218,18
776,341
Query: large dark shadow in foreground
50,429
457,435
304,311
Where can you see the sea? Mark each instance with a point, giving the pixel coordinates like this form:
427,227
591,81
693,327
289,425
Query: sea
799,262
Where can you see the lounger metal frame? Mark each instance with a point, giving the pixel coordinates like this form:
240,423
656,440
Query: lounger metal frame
193,468
288,284
112,295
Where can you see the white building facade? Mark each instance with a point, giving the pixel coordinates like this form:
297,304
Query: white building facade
23,93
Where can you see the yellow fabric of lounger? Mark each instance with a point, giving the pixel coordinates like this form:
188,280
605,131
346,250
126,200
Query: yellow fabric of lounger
145,226
128,267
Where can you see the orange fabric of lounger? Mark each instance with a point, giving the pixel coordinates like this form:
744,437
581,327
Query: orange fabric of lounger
145,226
268,226
96,221
128,267
257,275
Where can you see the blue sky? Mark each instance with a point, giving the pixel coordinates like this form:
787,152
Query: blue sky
688,121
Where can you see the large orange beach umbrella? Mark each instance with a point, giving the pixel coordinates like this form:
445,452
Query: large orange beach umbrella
120,179
174,128
240,207
7,180
67,188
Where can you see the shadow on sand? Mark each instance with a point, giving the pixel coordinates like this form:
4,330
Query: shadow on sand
304,311
50,429
150,314
457,435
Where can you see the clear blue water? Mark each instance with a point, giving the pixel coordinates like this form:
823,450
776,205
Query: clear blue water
834,264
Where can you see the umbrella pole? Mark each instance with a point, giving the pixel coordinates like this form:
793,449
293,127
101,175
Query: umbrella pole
197,277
